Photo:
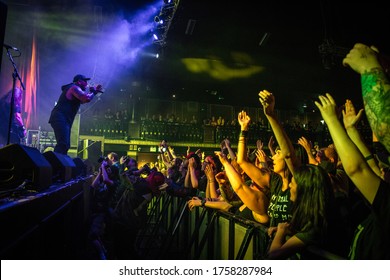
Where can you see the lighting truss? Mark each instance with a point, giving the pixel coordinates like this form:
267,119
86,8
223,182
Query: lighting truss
163,21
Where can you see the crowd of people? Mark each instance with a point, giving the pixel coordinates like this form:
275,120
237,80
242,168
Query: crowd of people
334,197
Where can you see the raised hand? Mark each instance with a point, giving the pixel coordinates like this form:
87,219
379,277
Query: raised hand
268,101
209,172
191,163
244,120
222,157
362,58
305,143
327,107
259,144
221,178
271,143
123,159
262,158
350,118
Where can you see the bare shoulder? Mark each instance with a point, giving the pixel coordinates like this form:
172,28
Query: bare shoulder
74,91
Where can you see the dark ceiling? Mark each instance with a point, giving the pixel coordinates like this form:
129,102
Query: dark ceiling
276,42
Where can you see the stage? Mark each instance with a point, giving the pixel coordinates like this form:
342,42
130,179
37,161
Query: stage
47,224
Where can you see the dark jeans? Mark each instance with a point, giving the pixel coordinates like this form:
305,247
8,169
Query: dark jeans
62,130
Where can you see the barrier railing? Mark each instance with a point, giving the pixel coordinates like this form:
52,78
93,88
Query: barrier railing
174,232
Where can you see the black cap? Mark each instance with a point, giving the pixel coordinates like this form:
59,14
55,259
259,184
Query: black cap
79,77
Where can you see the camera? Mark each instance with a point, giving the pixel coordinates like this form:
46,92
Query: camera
102,158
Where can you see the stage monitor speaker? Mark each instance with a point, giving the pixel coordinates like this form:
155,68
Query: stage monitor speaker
63,166
81,168
22,164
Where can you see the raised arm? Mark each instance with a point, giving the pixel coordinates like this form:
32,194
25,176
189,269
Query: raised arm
259,177
211,189
353,161
191,179
228,146
375,89
254,199
267,99
350,119
262,159
271,143
307,146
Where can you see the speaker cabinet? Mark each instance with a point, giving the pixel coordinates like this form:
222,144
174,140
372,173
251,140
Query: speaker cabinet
63,166
80,169
22,164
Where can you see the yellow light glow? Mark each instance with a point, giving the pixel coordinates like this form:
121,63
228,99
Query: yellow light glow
217,69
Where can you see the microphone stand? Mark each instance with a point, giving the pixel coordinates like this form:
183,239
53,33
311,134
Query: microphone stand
15,75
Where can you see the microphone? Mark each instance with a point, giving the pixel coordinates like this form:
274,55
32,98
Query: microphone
95,91
10,47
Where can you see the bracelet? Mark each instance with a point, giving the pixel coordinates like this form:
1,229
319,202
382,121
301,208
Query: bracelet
244,133
369,157
203,202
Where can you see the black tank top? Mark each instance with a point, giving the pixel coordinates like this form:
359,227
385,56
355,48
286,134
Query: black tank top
65,109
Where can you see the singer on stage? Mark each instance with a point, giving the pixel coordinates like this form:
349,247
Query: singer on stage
66,108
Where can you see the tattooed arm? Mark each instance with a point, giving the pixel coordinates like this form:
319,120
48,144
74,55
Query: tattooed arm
376,98
375,88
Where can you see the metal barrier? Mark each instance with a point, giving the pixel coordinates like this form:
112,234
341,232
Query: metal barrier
174,232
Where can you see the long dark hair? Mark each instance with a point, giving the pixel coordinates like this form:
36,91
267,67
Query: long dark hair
313,198
18,95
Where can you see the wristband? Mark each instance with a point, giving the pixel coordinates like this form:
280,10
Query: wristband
203,202
369,157
244,133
